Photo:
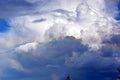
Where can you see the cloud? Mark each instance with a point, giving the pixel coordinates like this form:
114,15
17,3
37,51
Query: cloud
16,65
38,20
112,10
27,47
87,21
50,37
14,8
62,56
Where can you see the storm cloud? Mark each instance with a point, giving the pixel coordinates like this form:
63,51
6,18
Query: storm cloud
47,39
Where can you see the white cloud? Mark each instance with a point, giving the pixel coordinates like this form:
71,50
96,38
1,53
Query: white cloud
16,65
27,47
88,20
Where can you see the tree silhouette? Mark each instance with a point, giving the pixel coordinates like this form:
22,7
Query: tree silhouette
118,78
68,77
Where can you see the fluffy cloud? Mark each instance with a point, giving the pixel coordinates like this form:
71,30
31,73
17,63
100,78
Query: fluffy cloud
56,57
86,21
27,47
50,37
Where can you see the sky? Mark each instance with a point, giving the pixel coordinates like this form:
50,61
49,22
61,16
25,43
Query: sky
48,39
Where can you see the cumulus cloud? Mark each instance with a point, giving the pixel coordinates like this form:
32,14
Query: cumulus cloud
87,21
50,37
56,57
27,47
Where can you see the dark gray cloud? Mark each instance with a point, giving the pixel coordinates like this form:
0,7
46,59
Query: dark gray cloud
10,8
112,7
39,20
63,56
14,8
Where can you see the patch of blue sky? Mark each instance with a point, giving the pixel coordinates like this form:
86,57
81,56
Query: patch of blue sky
4,26
118,16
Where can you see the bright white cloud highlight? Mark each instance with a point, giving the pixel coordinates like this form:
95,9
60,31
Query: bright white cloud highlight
27,47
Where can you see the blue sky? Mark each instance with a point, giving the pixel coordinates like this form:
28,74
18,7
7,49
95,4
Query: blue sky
4,26
47,39
118,16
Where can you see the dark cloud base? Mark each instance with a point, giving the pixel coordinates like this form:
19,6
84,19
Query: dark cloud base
57,58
